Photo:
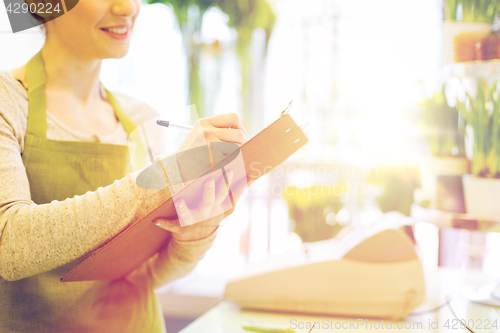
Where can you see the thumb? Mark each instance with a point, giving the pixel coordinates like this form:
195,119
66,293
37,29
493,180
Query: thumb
169,225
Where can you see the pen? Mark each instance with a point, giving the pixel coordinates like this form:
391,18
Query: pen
166,123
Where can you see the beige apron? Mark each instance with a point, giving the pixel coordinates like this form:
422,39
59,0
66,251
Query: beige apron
58,170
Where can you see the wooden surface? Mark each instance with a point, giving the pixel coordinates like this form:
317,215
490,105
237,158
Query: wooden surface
227,317
453,220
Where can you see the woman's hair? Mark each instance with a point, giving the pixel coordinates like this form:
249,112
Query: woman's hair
37,17
67,5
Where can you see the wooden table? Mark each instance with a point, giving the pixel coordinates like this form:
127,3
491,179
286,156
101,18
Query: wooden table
227,317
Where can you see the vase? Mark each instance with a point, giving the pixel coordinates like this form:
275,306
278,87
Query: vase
434,167
452,29
482,197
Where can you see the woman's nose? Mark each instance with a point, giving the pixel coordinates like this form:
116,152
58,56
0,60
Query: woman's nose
125,7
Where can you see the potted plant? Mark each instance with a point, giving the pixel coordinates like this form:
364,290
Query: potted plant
397,186
482,187
472,20
444,131
314,210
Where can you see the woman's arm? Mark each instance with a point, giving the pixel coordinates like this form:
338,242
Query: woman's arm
189,244
176,260
37,238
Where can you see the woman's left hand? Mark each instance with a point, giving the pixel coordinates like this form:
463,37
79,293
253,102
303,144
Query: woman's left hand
209,211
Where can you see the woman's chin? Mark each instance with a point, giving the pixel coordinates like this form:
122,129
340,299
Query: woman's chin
115,54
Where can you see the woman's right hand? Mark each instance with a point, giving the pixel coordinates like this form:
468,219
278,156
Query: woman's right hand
225,127
210,201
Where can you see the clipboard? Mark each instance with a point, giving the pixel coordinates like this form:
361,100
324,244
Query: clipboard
138,242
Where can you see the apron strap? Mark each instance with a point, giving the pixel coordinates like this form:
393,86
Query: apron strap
125,120
137,148
37,105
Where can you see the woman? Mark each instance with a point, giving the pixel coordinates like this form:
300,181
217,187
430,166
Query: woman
66,189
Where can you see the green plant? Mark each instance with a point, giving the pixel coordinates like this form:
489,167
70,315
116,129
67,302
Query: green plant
398,186
483,115
314,210
441,127
450,10
472,10
244,16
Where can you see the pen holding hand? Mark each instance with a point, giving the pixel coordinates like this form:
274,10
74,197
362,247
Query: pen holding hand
226,127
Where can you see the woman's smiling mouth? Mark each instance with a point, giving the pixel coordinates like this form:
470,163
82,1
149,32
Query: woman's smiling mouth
117,32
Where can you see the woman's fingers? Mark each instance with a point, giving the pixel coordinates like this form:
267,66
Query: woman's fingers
184,213
228,120
211,202
233,135
223,188
225,127
170,225
208,196
238,185
184,217
230,135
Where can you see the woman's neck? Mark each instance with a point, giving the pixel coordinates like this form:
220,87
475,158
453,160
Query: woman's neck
68,73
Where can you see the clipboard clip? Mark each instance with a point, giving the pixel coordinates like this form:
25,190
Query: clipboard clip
287,109
303,126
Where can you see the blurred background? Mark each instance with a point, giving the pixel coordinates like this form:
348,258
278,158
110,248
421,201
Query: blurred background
402,110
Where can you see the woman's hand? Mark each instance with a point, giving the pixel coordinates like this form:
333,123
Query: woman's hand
213,207
192,156
213,203
225,127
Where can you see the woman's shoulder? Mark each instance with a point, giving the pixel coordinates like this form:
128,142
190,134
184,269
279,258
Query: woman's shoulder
13,95
8,80
13,105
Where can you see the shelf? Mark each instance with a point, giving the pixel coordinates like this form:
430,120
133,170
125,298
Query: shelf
473,69
453,220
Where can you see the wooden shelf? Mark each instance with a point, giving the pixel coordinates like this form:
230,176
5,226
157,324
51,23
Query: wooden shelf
453,220
473,69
